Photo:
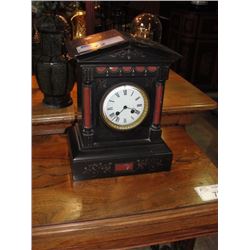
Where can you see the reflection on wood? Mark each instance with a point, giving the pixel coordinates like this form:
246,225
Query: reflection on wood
129,211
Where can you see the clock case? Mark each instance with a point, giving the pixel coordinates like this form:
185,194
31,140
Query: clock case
98,151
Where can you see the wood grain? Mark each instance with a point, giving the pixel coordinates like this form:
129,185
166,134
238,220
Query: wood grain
120,212
181,96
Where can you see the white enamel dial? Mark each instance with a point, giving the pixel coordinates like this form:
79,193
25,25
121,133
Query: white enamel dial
124,107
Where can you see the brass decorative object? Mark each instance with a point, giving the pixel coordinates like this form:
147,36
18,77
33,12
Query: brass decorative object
147,26
78,24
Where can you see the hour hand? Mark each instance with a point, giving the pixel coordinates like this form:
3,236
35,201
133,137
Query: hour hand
133,110
116,114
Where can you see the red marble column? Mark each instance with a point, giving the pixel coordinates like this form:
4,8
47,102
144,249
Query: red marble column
158,104
87,107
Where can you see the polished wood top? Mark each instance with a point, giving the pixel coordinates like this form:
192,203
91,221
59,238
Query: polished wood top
180,97
42,114
106,213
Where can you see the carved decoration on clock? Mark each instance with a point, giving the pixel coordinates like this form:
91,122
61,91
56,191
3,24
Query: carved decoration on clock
127,53
97,169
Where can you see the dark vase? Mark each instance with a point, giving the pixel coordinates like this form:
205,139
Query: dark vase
54,71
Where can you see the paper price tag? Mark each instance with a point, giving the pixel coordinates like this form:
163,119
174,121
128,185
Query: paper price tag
207,193
99,44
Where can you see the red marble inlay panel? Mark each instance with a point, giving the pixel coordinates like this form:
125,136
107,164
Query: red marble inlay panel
100,69
139,68
124,166
113,69
126,69
152,68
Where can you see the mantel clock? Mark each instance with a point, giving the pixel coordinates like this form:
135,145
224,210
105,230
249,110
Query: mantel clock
120,84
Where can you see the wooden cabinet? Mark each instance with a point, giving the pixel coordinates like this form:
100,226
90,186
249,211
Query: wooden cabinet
194,34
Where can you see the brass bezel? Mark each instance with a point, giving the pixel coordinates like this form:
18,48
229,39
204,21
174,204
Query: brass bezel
135,123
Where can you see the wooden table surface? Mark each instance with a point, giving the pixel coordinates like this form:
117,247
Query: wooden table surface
181,101
181,96
121,212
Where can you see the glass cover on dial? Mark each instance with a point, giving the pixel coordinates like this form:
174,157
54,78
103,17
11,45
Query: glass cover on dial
125,107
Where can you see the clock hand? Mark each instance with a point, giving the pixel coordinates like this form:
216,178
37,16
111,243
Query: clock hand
130,108
119,112
136,110
115,117
133,110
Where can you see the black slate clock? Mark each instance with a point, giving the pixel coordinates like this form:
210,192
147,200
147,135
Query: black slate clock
120,83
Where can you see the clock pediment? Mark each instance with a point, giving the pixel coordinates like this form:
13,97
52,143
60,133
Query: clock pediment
127,49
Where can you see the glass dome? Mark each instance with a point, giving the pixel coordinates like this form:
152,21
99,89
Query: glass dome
147,26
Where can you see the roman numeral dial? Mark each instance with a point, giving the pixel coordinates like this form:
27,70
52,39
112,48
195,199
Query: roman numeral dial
124,107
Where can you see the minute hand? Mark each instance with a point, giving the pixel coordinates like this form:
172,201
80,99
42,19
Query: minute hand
117,114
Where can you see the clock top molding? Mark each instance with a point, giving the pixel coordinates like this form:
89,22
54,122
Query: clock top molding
115,47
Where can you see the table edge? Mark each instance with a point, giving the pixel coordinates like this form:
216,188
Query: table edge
204,209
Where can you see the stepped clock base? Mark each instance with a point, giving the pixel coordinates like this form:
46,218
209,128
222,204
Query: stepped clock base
110,161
